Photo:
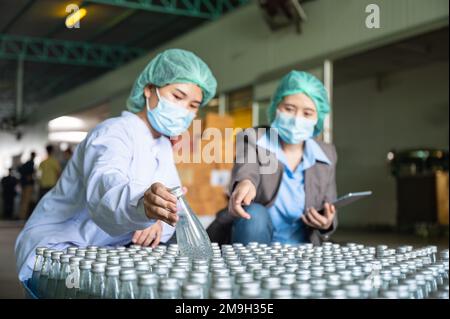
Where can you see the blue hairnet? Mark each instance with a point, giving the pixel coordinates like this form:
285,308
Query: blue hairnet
302,82
173,66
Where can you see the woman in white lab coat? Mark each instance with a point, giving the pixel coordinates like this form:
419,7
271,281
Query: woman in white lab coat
114,190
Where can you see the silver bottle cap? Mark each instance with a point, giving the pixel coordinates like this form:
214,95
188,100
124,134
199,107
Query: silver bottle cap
48,252
40,251
160,270
220,294
336,294
250,290
150,260
98,267
168,284
112,251
147,279
75,260
126,262
244,277
281,293
65,258
112,270
271,282
127,275
101,259
86,264
91,255
142,266
56,255
72,250
287,279
102,250
389,294
198,277
192,290
113,260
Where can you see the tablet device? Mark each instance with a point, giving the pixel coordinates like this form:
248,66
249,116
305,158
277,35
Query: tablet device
348,199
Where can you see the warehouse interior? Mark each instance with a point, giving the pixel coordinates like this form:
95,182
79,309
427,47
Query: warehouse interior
388,89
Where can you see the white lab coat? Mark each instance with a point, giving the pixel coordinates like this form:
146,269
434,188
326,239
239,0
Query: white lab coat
97,199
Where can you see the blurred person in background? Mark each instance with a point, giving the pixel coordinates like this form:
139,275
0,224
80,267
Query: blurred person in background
49,170
9,192
66,155
27,176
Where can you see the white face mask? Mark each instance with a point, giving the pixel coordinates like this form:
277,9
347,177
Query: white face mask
293,129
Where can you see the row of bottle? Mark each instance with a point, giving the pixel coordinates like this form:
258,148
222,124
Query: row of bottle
237,271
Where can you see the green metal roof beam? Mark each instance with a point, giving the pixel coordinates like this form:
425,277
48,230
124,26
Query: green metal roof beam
65,52
206,9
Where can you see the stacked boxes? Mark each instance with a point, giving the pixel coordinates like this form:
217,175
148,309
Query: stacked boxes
442,196
204,158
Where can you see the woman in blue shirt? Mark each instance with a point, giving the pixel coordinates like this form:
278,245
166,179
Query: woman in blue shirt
276,196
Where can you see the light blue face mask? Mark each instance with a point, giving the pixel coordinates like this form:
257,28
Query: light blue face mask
168,118
293,129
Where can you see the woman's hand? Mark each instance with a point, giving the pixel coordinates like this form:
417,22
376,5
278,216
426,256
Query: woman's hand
149,236
313,219
160,204
243,194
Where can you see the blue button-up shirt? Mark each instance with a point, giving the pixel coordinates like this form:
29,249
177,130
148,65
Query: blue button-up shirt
289,204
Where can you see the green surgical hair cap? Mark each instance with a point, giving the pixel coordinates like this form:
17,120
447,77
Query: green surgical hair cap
173,66
302,82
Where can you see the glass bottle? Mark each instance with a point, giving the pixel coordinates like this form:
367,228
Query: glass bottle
217,293
45,271
302,290
240,279
53,275
268,284
39,261
113,260
192,291
169,288
192,239
142,267
98,280
72,281
128,284
85,278
126,262
179,273
112,284
63,273
281,293
250,290
148,284
201,278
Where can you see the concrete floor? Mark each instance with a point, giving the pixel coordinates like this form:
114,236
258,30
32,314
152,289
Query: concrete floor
373,238
10,286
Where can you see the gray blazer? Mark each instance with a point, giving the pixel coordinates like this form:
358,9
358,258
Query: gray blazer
262,168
